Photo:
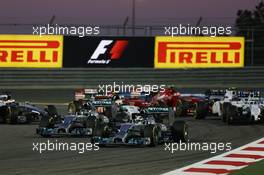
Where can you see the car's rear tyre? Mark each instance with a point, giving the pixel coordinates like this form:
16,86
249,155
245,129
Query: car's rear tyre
52,110
12,117
152,132
231,114
224,109
200,110
101,129
5,114
73,107
91,123
179,131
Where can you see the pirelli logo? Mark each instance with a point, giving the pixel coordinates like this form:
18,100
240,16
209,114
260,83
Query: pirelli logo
199,52
31,51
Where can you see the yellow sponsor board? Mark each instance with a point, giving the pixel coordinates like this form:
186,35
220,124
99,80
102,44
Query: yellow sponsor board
31,51
199,52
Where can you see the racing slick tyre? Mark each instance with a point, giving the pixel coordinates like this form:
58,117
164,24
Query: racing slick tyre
54,117
224,108
101,129
91,122
12,118
179,131
122,117
252,119
152,132
74,107
5,114
52,110
200,110
231,114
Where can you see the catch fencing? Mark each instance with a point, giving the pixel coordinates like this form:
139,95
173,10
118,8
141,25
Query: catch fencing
71,78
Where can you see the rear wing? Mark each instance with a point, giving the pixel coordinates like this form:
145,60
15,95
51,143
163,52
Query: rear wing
102,97
252,94
194,95
215,92
134,95
82,94
162,113
157,110
102,103
90,91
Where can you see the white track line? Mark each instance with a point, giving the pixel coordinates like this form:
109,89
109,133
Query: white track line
226,162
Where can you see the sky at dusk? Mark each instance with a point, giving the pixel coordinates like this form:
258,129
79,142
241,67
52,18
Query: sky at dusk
107,12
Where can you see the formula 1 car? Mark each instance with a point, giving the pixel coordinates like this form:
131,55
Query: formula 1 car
81,124
12,112
104,106
80,97
147,128
215,95
83,96
140,99
71,126
248,108
5,110
195,105
240,106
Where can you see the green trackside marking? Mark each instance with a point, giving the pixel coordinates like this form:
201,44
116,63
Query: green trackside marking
254,169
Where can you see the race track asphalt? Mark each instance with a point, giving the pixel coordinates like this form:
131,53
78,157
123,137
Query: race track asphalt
17,156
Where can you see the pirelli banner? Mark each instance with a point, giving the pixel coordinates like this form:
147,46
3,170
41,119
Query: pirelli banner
31,51
51,51
199,52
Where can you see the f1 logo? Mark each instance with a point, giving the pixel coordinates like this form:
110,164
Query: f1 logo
101,49
116,51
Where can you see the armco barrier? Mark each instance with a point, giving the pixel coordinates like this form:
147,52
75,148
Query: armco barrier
249,77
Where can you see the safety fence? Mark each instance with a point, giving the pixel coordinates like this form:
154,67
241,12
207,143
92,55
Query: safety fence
68,78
